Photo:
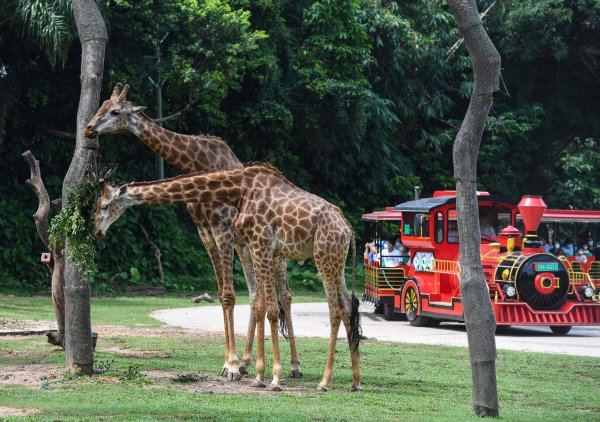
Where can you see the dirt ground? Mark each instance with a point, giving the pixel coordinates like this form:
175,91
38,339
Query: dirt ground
42,375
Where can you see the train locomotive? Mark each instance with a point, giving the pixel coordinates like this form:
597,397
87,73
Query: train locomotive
527,286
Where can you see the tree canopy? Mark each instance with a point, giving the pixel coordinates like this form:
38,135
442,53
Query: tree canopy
354,100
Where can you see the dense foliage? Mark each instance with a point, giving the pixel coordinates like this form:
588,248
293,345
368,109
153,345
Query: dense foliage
71,230
355,100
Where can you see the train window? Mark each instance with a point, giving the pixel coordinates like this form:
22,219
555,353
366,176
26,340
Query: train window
422,224
416,224
503,220
439,227
452,227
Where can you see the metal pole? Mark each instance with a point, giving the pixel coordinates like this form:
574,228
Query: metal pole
160,163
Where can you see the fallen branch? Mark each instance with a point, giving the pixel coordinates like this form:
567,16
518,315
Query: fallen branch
202,297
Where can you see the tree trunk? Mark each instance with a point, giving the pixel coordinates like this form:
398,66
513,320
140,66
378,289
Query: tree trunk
93,37
479,316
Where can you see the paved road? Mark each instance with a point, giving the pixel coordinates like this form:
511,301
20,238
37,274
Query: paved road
312,320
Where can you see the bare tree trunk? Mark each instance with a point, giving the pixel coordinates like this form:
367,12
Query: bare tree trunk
56,263
478,313
93,37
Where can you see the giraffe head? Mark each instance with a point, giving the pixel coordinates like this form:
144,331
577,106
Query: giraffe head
113,115
111,204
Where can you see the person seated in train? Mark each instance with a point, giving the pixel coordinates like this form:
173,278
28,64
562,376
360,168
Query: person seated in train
390,256
580,257
371,253
568,248
586,250
485,227
556,250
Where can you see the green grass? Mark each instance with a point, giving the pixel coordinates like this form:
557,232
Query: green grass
401,382
127,311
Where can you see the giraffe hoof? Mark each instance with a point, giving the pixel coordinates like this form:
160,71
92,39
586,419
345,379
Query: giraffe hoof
258,384
244,370
274,387
321,388
295,373
355,388
234,376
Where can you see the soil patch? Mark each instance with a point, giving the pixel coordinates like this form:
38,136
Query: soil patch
12,411
30,375
36,375
7,324
140,354
214,384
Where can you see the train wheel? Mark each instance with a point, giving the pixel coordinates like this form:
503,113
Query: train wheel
388,312
412,304
378,308
560,330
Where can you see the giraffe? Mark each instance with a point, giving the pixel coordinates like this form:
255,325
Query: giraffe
213,220
275,219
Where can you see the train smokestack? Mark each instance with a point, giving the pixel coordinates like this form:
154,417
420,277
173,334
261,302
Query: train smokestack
532,209
417,192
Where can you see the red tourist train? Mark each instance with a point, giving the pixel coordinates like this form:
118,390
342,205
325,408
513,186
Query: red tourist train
527,284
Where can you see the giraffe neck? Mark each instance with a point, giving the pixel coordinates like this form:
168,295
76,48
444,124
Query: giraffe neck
224,187
186,152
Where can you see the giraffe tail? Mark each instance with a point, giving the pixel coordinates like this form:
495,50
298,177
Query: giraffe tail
355,327
282,322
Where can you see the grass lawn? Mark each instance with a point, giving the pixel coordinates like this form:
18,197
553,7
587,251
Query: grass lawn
400,382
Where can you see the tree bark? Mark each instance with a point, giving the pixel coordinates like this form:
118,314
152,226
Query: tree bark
93,38
479,316
57,263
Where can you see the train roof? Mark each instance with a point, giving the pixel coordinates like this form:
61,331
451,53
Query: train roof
383,215
427,204
571,216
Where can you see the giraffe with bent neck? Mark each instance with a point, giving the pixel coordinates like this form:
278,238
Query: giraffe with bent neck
213,220
275,219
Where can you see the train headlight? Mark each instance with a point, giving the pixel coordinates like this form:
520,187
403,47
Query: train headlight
509,290
586,291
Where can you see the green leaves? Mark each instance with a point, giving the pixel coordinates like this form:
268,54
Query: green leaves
71,229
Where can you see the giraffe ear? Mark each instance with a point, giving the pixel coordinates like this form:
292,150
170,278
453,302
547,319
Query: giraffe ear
122,190
137,109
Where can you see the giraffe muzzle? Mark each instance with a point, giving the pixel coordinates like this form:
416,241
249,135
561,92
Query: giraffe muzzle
89,133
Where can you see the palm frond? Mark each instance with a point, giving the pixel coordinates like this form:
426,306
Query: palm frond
49,24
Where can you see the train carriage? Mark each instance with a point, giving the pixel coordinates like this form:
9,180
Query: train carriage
527,286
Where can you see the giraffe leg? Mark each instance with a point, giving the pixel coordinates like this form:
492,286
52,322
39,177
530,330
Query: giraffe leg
224,240
273,315
246,260
259,311
212,250
334,320
285,300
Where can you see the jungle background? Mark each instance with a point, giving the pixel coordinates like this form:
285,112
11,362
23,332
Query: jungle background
356,101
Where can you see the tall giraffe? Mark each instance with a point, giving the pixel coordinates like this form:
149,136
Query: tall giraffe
213,220
275,219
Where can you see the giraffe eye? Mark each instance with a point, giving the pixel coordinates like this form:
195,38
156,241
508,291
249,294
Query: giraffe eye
104,207
115,112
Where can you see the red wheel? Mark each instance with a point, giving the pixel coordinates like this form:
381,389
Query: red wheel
411,300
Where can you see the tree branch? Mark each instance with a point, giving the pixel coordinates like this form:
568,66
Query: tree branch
458,43
157,254
36,183
179,113
61,134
